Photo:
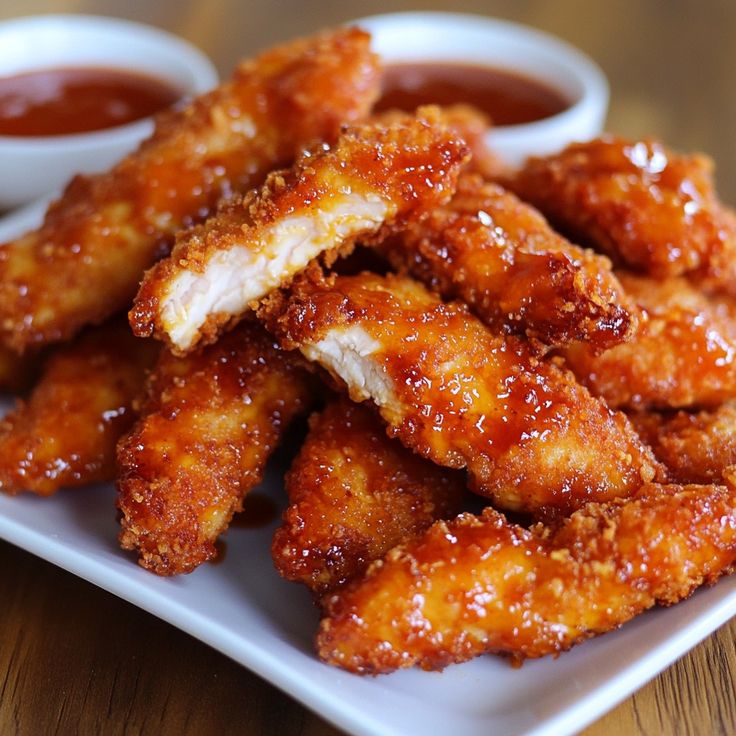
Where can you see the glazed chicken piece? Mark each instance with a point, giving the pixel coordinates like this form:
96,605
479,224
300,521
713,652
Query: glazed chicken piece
355,494
683,353
65,433
695,447
208,424
531,437
481,585
644,205
371,182
500,256
87,258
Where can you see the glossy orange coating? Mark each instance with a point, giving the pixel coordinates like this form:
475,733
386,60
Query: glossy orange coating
371,182
696,447
87,258
208,424
472,126
65,433
647,207
683,353
452,390
501,257
480,584
354,494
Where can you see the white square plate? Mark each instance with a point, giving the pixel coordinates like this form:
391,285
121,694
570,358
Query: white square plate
242,608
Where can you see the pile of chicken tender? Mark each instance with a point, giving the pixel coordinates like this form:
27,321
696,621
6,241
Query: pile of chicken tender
519,384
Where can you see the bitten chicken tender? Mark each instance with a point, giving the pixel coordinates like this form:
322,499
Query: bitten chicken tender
683,353
86,260
500,256
372,181
480,584
695,447
645,206
208,425
531,437
65,433
354,495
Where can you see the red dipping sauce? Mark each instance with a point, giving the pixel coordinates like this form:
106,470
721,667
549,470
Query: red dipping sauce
62,101
506,97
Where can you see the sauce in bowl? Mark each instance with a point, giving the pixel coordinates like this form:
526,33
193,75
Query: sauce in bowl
506,97
64,101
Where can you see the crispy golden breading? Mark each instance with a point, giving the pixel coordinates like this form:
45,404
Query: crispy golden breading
695,447
461,395
65,433
500,256
354,495
480,584
472,126
683,353
640,203
86,260
208,425
372,180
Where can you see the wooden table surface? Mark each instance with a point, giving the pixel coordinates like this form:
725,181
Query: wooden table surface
74,659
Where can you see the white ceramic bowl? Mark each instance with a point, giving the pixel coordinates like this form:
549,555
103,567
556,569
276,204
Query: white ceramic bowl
477,40
32,166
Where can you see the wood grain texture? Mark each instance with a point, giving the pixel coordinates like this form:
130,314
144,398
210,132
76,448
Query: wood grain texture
74,659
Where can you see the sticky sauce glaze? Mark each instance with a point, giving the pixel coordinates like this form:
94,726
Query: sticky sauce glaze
506,97
64,101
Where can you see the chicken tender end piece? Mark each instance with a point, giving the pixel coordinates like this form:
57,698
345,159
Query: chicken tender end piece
500,256
355,494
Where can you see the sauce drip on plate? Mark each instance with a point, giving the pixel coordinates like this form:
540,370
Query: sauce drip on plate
62,101
506,97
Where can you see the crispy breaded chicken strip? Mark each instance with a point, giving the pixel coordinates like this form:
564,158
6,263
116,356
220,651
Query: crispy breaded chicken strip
354,495
695,447
645,206
461,395
208,425
500,256
86,260
371,181
65,433
478,585
683,353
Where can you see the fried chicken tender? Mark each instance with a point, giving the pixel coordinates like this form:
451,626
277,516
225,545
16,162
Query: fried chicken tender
683,353
208,424
354,495
65,433
370,182
642,204
480,584
695,447
500,256
531,437
86,260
